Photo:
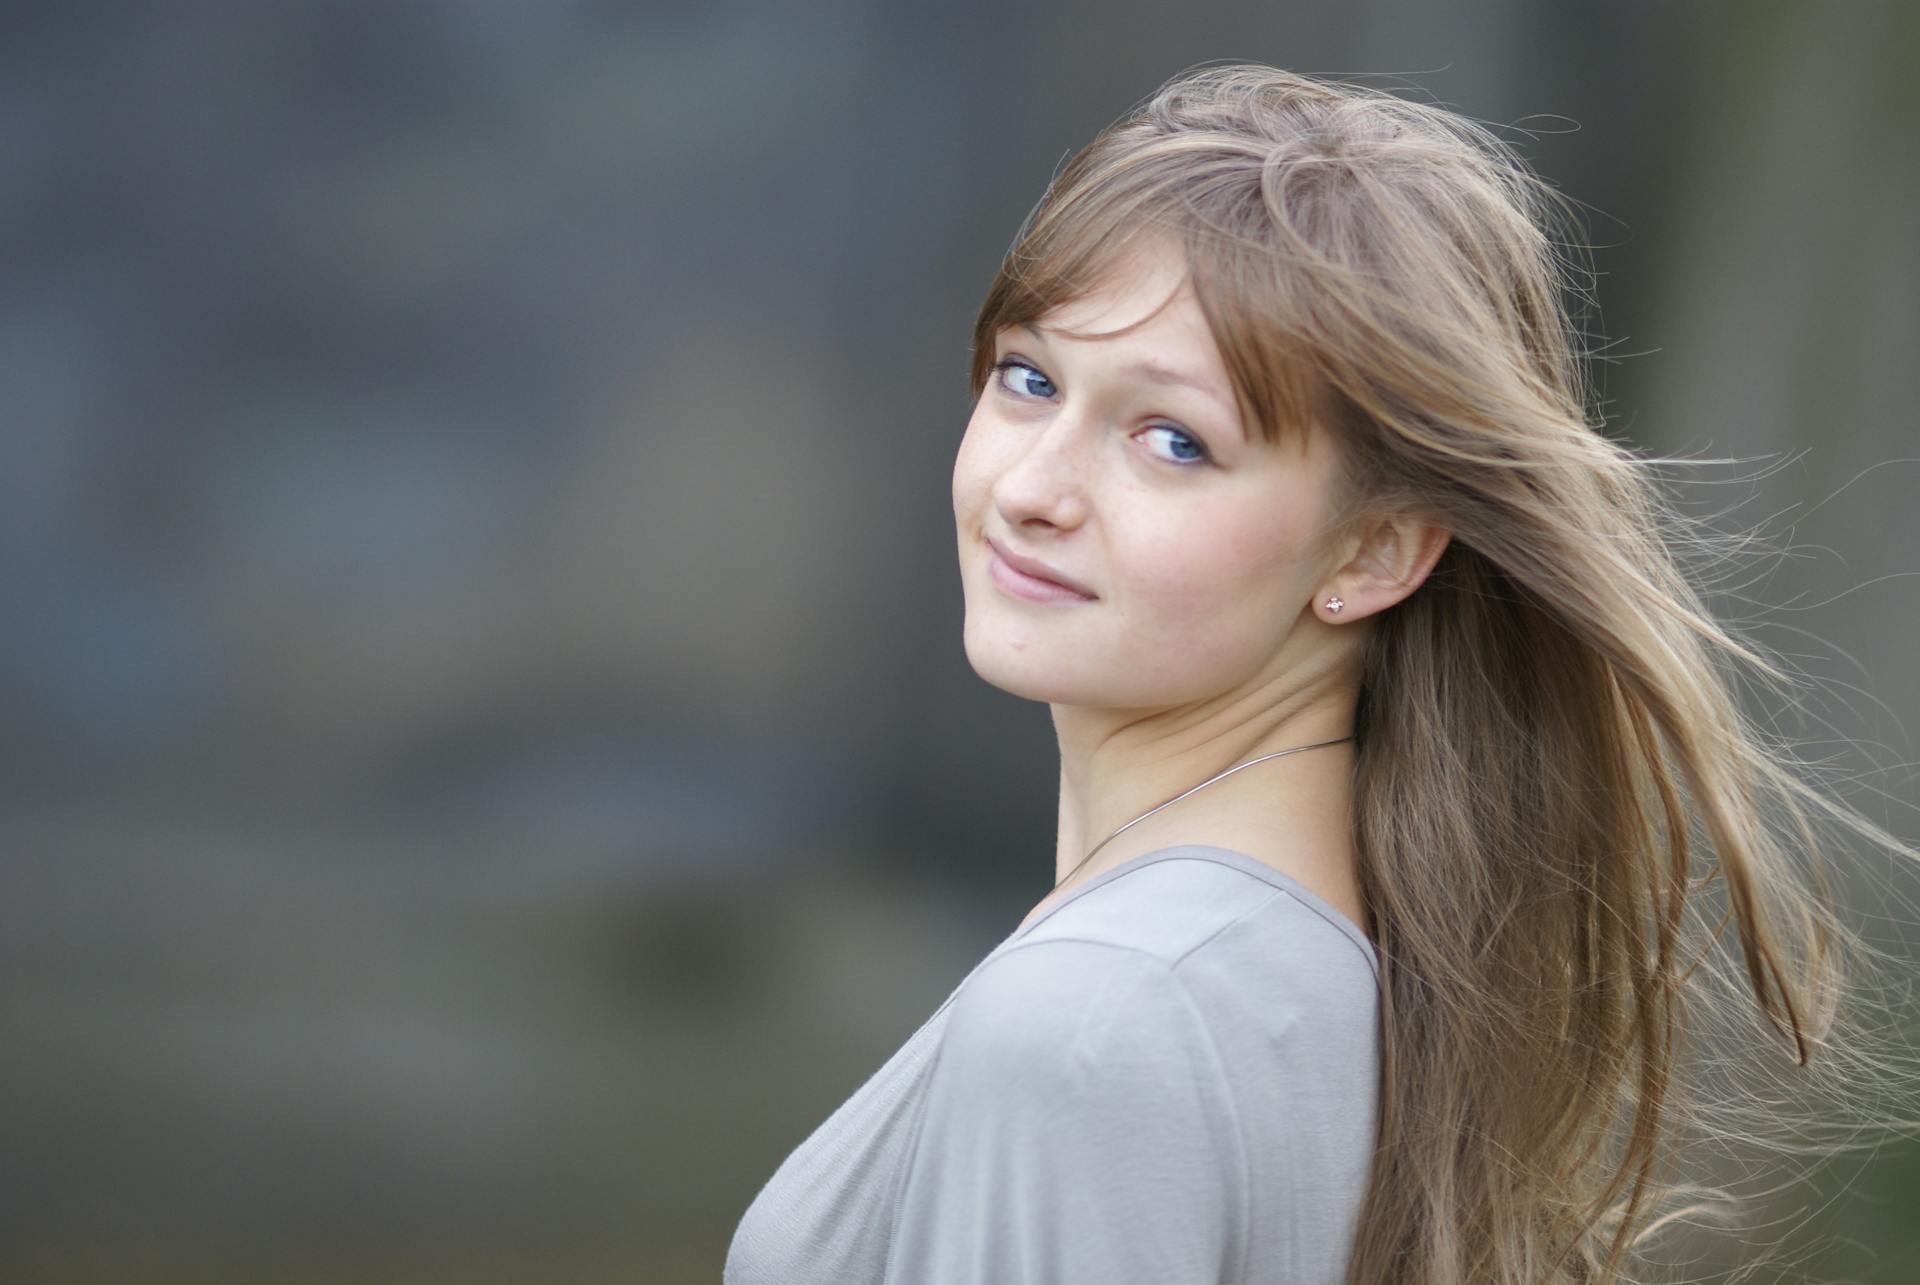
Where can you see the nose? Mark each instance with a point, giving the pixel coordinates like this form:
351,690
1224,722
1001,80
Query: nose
1046,481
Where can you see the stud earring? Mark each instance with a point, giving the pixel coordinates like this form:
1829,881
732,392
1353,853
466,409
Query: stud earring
1334,605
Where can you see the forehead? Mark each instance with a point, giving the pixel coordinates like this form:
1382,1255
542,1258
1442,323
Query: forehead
1142,313
1144,293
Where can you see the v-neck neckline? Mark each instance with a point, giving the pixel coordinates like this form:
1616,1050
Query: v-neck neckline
1221,856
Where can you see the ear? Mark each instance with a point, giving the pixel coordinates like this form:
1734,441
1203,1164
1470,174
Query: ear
1384,564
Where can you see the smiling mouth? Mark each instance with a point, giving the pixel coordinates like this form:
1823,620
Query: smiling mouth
1020,584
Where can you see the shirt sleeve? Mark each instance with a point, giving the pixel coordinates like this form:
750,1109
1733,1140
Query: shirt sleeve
1078,1127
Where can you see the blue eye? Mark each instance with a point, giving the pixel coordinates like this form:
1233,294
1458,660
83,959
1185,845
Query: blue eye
1012,363
1191,441
1200,457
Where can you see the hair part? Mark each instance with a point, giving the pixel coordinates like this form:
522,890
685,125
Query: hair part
1554,780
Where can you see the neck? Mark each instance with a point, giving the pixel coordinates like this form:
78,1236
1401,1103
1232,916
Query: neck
1292,810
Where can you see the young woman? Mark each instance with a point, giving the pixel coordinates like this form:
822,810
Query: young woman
1386,718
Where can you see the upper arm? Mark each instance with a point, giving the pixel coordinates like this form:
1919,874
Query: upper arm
1077,1127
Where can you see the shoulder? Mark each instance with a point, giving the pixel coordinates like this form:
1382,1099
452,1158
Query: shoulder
1216,966
1076,1126
1068,1007
1085,1051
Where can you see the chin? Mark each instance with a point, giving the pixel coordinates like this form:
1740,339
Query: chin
1028,671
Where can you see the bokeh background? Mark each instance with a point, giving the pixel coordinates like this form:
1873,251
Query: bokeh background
488,761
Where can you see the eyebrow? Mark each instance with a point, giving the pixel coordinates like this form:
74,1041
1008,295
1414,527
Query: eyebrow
1154,372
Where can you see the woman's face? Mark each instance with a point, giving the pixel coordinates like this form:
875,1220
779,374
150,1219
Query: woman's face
1192,541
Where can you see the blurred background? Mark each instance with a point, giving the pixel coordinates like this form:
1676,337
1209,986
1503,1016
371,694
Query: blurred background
489,762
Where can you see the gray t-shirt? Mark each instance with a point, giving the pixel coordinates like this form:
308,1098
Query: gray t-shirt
1169,1076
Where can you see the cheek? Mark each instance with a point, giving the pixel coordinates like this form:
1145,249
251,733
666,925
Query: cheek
1218,566
972,468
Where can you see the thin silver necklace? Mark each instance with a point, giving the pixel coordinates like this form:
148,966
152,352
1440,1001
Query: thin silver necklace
1183,794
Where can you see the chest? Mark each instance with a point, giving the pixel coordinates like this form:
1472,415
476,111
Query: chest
826,1214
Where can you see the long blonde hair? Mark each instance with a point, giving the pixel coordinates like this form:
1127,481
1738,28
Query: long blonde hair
1554,781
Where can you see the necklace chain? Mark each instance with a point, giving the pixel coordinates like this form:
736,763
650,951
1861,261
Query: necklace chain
1183,794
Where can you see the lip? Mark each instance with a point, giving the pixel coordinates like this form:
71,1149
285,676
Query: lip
1027,578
